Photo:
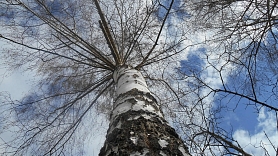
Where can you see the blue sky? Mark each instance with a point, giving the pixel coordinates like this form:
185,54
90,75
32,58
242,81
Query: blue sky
238,115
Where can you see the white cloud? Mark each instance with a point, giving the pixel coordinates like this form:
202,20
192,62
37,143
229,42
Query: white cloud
16,83
262,142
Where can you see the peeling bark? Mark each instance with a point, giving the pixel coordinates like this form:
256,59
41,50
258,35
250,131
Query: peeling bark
137,125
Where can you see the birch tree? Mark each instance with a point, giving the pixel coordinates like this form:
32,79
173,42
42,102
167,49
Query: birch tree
88,55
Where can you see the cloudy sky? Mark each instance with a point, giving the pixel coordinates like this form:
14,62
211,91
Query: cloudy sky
249,127
254,131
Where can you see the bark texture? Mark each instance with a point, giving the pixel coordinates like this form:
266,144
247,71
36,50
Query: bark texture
137,125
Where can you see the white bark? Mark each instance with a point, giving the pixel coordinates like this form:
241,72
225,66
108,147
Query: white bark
137,125
128,79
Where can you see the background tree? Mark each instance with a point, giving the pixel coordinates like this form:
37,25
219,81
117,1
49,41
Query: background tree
239,52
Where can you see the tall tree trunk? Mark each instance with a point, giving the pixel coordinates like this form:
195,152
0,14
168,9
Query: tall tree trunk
137,125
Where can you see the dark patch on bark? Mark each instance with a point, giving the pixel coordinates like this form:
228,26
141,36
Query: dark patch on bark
135,76
135,95
146,131
135,92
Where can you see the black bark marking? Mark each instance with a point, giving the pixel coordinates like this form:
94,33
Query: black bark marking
147,132
135,76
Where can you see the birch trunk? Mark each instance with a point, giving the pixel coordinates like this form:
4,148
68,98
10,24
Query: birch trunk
137,126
